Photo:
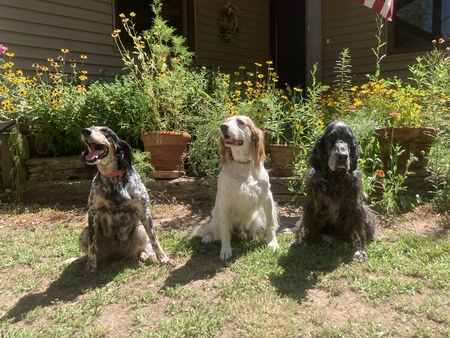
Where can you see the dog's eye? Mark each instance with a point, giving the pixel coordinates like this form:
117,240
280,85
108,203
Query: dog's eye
240,122
333,136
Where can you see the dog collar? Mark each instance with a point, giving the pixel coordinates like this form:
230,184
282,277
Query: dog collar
115,173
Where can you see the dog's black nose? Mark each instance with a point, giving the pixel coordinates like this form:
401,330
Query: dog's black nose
86,132
342,157
224,128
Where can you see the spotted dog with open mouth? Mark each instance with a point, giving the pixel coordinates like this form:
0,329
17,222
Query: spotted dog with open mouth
119,220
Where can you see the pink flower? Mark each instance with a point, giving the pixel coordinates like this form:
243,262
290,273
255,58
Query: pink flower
2,49
395,115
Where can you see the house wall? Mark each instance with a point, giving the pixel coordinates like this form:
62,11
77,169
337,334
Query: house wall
346,23
251,44
37,29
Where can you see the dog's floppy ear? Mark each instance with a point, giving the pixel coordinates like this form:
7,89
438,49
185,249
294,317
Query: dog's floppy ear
258,152
124,155
354,153
124,152
224,152
319,156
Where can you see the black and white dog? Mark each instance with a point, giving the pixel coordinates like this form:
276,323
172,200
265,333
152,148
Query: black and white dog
119,220
334,205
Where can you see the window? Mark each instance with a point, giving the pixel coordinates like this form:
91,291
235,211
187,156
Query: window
178,13
416,23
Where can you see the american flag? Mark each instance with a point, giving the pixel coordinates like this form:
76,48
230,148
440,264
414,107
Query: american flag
384,7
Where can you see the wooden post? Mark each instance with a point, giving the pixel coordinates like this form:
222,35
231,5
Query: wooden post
7,162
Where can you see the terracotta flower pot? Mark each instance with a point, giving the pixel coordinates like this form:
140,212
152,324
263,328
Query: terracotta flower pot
167,152
415,140
283,157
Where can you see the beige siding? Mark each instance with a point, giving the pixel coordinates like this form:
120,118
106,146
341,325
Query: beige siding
251,43
36,30
348,24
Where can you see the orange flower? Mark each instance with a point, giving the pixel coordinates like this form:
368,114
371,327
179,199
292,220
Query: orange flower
395,115
380,173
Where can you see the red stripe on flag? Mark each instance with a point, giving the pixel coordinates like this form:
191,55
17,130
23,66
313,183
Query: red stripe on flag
384,7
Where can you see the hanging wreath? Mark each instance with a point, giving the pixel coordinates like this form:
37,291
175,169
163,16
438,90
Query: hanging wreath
228,23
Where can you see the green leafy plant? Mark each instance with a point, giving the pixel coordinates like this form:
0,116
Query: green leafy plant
48,103
142,165
394,195
159,63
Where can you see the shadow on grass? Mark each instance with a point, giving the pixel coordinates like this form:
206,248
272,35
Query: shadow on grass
70,284
204,262
303,267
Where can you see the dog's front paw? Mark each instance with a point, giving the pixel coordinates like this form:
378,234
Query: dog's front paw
90,269
273,244
298,241
91,265
361,255
226,253
207,238
148,256
168,261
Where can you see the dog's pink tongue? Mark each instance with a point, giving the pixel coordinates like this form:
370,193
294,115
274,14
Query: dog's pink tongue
93,155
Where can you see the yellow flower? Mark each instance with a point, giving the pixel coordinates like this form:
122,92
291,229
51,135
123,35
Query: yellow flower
22,92
83,77
132,14
64,50
83,57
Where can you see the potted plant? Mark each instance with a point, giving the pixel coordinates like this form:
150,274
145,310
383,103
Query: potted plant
159,63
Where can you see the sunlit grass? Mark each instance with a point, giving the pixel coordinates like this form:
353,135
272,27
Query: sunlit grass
259,293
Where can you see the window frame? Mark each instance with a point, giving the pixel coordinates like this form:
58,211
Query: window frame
415,48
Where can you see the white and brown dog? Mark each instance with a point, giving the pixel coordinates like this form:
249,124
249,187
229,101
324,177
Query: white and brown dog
244,203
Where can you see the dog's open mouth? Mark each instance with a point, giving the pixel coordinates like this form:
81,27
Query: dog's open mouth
232,142
96,152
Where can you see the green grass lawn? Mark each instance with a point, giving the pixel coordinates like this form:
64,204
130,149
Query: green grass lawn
315,291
